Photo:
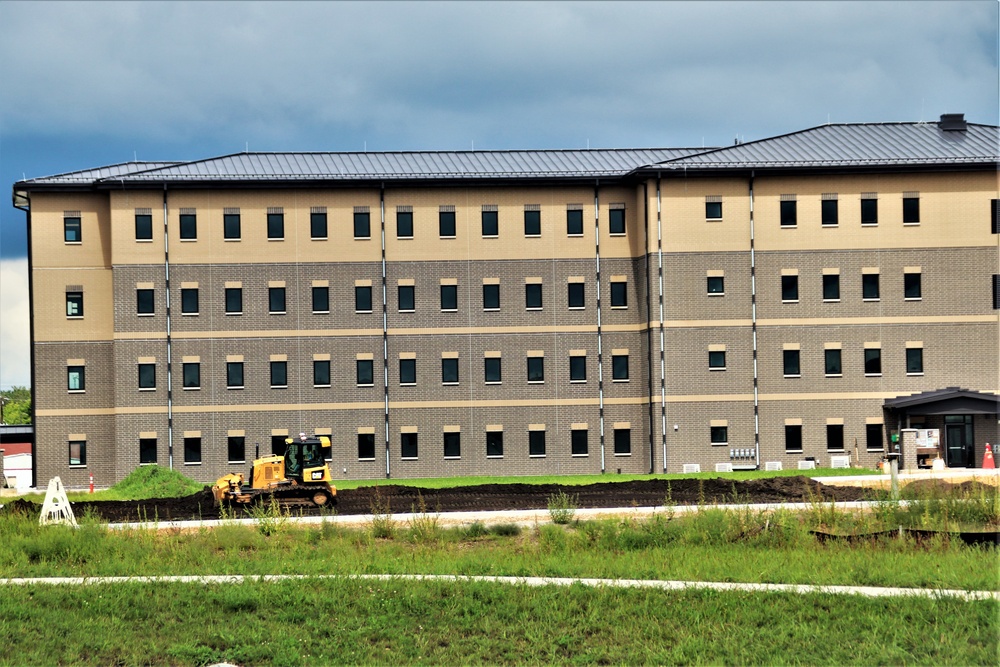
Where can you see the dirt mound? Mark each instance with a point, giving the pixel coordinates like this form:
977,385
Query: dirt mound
22,506
939,487
492,497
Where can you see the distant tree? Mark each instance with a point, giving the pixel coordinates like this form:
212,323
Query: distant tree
16,405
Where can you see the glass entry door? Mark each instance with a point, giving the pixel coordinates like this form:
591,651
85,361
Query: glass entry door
958,441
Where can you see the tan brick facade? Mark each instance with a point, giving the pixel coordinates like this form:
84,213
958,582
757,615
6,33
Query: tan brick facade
752,399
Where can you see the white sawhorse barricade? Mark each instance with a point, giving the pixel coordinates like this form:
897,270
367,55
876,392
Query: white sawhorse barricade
56,508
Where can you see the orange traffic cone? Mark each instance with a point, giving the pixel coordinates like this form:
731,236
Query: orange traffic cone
988,458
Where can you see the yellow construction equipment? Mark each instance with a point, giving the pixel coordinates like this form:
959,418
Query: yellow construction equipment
300,477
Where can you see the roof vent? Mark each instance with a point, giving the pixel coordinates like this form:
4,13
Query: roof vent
953,122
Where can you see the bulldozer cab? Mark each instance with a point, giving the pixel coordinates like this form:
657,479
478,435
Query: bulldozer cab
305,459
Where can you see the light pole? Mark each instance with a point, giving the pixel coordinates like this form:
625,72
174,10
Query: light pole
3,401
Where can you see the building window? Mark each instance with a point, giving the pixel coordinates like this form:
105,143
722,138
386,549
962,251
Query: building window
234,301
321,373
72,231
831,287
717,360
578,369
911,286
874,441
829,213
576,295
76,378
231,226
719,435
914,361
995,216
143,227
873,361
869,211
275,226
616,220
278,446
578,442
192,450
449,297
365,372
491,296
713,209
276,300
790,359
491,222
189,226
716,285
406,297
789,213
493,373
619,295
147,451
318,225
144,302
279,374
619,367
536,369
833,365
623,441
449,370
191,372
74,304
789,289
532,221
911,210
404,224
793,437
78,452
366,446
407,371
189,301
236,449
536,443
494,444
533,296
452,445
574,222
996,291
408,445
362,298
321,299
147,376
869,287
362,224
835,437
234,374
446,223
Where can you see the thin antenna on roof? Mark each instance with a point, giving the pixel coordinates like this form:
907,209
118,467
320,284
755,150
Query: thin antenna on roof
588,143
473,144
135,156
366,145
246,149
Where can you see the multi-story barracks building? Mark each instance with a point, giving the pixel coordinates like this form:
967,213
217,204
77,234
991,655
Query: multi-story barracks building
805,296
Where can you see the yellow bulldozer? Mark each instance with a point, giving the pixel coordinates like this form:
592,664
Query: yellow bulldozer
299,477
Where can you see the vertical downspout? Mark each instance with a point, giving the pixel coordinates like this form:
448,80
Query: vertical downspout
649,328
663,364
170,392
753,328
385,331
31,338
600,359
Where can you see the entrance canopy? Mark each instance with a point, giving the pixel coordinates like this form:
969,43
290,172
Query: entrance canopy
947,401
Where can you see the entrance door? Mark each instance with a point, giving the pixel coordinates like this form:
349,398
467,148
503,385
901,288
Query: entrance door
958,441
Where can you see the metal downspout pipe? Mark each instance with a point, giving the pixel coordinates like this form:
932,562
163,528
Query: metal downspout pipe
170,393
753,328
385,331
600,359
663,364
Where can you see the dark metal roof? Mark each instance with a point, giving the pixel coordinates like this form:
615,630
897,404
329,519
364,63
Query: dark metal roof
856,145
950,400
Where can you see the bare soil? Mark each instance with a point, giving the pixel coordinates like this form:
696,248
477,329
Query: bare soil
489,497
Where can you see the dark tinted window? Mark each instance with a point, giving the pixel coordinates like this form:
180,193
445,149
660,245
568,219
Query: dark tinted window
362,225
405,295
404,224
189,226
574,222
144,302
275,225
616,221
231,225
491,224
829,212
143,227
869,211
317,225
449,297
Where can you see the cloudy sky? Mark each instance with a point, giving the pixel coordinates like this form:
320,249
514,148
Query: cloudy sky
93,83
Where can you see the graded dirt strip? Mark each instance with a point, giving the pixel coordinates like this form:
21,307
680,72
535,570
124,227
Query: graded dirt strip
866,591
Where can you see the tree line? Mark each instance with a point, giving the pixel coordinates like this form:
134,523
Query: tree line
16,405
